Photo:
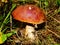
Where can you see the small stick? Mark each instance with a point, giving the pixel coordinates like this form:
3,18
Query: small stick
54,33
10,22
55,19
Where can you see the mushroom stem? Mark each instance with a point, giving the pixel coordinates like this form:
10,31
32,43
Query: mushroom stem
36,26
29,32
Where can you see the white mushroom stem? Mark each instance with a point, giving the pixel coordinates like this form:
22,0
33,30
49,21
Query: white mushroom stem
36,26
29,32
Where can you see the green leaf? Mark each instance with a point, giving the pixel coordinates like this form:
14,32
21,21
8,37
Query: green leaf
13,31
46,3
58,2
9,34
4,37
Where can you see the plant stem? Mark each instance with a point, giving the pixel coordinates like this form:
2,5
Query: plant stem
10,22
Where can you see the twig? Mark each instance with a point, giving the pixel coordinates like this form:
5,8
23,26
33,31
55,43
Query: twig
10,22
54,33
54,19
36,1
56,11
18,37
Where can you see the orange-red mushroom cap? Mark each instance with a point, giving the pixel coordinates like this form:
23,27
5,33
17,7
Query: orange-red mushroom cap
29,13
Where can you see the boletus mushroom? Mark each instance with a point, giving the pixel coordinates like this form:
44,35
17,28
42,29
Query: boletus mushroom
29,14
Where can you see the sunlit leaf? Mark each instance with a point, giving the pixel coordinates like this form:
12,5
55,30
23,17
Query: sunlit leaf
4,38
46,3
9,34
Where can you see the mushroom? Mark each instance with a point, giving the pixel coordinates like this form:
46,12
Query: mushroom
29,14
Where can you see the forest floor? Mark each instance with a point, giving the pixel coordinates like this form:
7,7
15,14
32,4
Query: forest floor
48,33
